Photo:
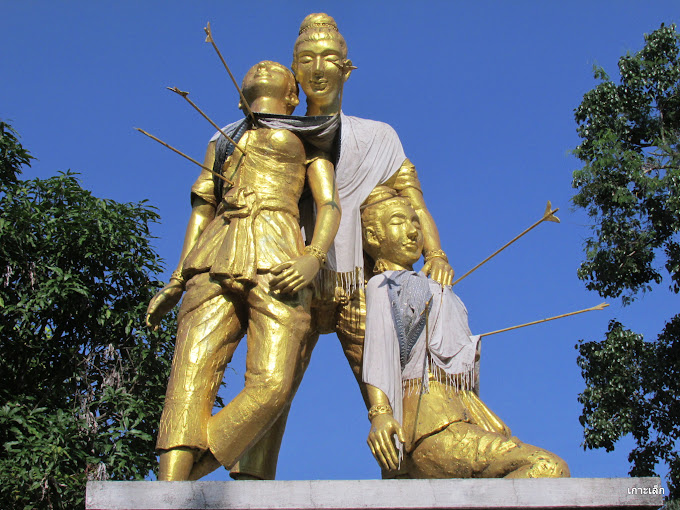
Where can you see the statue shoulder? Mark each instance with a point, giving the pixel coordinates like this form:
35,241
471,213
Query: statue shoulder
376,285
370,125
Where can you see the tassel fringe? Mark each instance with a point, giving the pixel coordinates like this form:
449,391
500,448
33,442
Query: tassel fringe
464,380
327,281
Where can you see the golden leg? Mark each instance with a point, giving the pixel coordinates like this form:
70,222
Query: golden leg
275,337
260,461
176,464
209,328
205,465
351,329
464,450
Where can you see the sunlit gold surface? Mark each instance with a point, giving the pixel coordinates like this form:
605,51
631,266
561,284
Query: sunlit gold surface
321,68
246,271
458,436
447,432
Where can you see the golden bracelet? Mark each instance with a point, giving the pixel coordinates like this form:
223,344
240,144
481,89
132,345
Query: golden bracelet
379,409
177,275
316,252
429,255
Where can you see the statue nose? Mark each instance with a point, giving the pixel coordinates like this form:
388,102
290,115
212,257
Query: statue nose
318,68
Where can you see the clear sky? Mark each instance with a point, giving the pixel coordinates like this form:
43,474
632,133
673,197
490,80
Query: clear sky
482,95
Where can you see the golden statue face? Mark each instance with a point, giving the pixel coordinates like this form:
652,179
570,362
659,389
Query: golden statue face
401,239
316,70
267,79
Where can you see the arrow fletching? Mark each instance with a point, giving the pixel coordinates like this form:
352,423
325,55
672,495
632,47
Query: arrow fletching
208,33
549,214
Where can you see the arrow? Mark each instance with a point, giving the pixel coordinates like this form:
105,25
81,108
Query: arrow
209,38
601,306
184,155
548,215
345,67
185,95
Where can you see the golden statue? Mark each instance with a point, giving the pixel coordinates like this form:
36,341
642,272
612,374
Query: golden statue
244,268
417,336
367,153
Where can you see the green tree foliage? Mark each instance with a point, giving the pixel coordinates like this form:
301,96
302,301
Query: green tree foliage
83,380
630,187
12,154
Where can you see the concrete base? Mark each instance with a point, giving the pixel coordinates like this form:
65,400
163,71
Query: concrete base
377,494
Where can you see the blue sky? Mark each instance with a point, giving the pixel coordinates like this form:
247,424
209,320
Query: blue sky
482,95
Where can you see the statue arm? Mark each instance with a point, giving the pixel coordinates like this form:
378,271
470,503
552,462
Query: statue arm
299,272
202,213
383,428
321,178
406,182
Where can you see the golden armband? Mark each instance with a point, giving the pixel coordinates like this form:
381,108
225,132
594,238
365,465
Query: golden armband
177,276
317,253
432,254
379,409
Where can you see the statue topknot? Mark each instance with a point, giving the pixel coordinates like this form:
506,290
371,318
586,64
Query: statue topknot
320,20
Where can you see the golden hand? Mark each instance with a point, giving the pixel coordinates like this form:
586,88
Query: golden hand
383,427
163,302
439,270
295,274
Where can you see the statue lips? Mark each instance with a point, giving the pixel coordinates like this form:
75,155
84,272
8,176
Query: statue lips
319,85
410,246
412,249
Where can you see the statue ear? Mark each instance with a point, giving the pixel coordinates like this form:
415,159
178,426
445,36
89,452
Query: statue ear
372,241
292,100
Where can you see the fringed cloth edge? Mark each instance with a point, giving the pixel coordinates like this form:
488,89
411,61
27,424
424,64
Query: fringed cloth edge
464,380
326,281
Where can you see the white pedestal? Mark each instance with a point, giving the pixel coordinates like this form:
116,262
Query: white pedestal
543,493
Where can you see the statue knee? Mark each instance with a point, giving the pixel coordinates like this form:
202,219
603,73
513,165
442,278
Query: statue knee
544,464
272,393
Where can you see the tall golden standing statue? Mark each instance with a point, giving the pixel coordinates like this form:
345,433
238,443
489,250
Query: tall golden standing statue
243,266
367,153
417,336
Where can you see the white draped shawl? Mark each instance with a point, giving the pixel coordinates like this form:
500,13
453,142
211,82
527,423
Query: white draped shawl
370,153
446,343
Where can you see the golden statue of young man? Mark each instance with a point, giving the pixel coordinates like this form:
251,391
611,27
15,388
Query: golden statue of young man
417,336
366,153
244,268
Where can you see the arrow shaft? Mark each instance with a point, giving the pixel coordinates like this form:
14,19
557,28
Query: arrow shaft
224,63
185,156
598,307
514,239
211,121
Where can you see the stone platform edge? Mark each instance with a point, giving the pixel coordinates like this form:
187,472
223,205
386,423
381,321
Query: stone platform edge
540,493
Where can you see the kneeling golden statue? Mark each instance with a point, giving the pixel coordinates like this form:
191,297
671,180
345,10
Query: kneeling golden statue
420,367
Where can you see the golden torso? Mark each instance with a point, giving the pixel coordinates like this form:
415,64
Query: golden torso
273,168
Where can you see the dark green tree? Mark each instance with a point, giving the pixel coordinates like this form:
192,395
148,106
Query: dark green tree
630,187
82,380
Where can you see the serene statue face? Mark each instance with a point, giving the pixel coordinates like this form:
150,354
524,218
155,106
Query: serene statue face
270,81
396,237
317,73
